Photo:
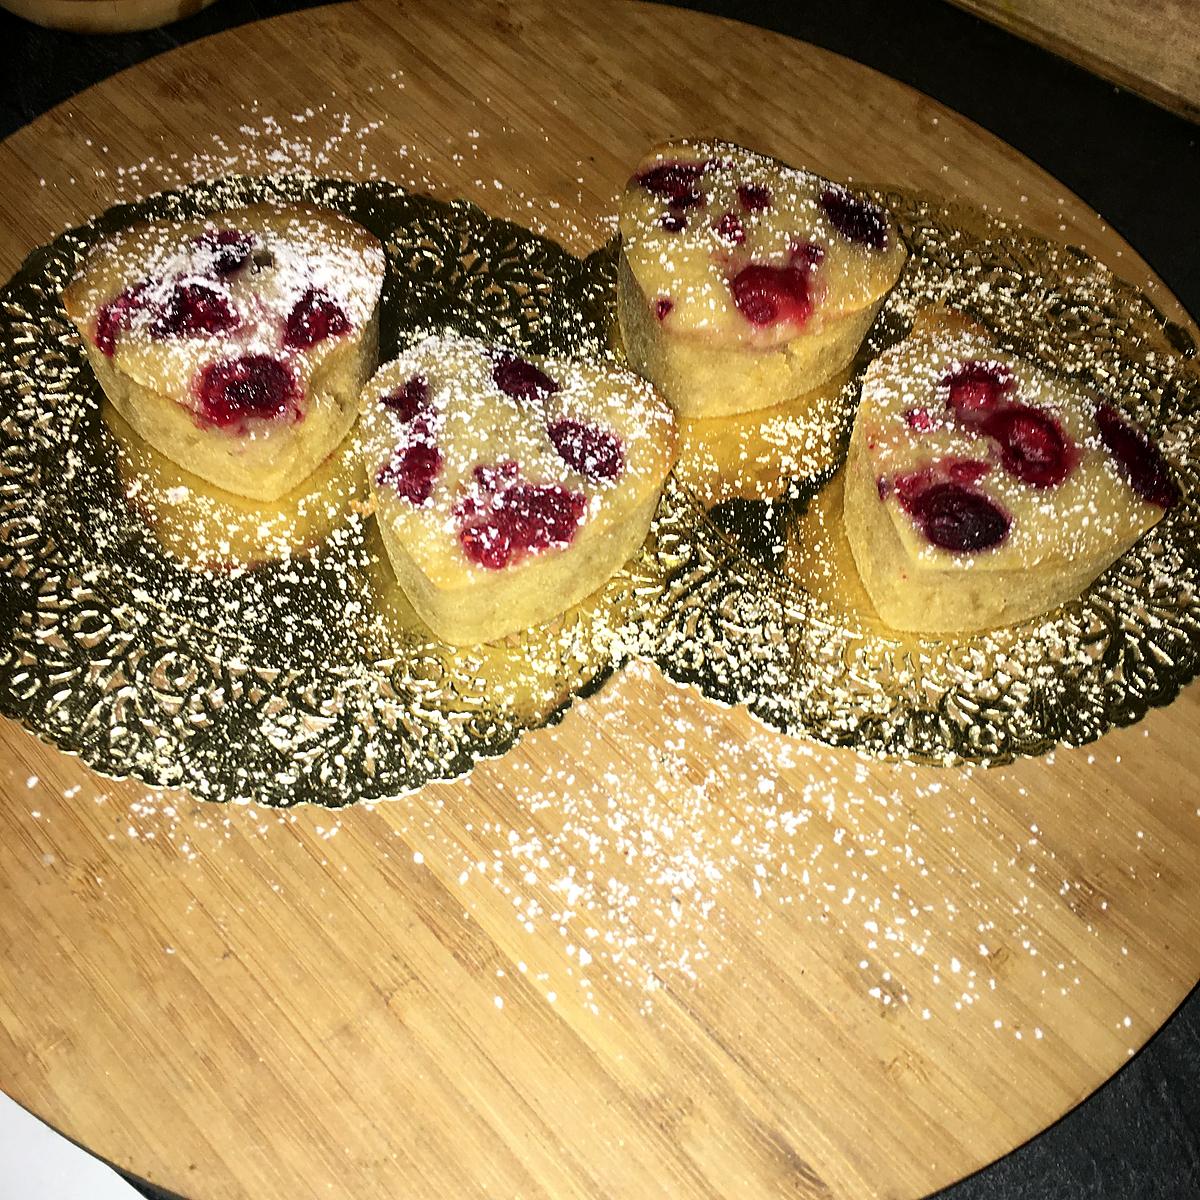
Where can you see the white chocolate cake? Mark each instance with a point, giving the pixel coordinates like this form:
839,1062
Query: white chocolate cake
236,345
744,283
980,490
508,488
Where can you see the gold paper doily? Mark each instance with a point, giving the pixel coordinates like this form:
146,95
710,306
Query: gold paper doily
307,679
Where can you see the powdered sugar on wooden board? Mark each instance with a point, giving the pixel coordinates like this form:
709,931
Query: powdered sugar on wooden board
329,139
751,846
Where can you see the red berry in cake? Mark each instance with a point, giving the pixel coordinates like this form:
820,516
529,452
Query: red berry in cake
536,516
730,229
114,317
254,385
673,221
588,449
1140,461
920,419
765,295
526,517
412,471
663,306
110,320
754,197
542,514
913,489
956,518
1033,446
520,379
856,219
226,250
486,544
975,388
492,478
193,309
675,182
408,400
967,470
807,255
315,317
908,487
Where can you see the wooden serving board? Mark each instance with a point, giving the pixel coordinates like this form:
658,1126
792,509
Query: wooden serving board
658,950
1150,49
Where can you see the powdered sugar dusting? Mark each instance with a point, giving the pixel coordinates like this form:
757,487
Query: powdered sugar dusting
609,868
331,138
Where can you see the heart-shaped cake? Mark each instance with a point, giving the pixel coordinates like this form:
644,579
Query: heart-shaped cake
744,283
236,345
509,487
981,490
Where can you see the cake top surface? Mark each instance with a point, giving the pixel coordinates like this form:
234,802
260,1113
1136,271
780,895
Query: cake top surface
733,244
983,459
458,433
164,300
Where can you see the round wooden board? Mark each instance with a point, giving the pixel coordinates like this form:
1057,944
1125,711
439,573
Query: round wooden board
657,951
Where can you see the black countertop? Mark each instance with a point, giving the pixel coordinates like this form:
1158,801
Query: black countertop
1138,1137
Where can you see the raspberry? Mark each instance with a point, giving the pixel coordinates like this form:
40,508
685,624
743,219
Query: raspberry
588,449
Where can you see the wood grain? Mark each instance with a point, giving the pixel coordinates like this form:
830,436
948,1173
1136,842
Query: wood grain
1152,48
657,951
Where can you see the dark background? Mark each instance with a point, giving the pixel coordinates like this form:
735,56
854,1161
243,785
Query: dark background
1138,1137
